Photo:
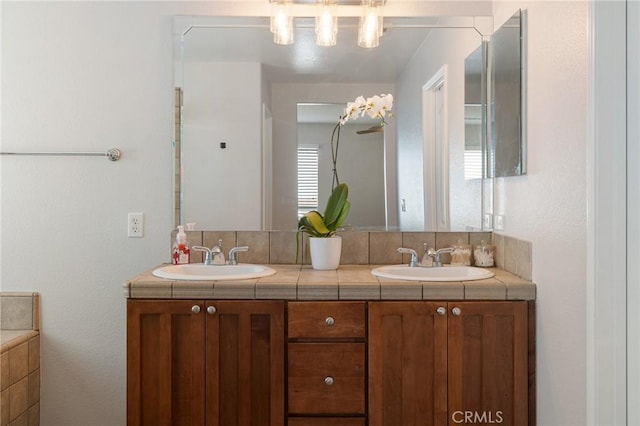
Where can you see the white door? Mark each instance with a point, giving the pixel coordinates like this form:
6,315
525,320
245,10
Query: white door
436,153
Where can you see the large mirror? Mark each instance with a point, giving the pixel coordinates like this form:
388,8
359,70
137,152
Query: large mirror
507,153
241,128
475,136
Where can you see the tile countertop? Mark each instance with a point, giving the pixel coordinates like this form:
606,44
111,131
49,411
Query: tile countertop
349,282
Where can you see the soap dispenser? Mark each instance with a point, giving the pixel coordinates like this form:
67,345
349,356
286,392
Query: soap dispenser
181,254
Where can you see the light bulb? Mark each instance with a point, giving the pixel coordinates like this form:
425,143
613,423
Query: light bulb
326,24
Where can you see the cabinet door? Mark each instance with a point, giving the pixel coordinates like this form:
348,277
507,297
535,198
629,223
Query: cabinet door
407,363
245,363
165,363
488,362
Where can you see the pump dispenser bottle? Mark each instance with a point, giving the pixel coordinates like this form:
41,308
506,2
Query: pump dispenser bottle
181,254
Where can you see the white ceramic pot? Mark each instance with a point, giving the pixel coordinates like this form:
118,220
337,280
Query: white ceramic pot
325,252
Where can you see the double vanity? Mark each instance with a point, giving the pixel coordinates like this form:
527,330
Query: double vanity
301,347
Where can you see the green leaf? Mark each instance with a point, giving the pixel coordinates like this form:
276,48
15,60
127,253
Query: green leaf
315,222
335,205
343,214
317,225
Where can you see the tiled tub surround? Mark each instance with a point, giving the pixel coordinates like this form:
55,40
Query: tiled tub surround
362,247
19,359
349,282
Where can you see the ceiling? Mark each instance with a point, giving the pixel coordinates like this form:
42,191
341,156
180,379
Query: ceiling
304,61
248,39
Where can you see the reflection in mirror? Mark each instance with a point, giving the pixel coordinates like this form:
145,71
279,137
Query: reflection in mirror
360,163
474,113
508,146
240,133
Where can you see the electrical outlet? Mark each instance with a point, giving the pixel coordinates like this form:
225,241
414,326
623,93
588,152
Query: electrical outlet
136,225
488,221
499,222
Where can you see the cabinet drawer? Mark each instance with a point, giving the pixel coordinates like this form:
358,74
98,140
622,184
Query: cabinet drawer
326,421
326,320
326,378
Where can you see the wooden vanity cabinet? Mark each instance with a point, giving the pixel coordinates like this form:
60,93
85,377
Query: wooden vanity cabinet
196,362
326,372
448,363
331,363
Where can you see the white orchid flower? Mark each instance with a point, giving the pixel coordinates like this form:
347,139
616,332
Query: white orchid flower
350,112
386,104
377,106
374,105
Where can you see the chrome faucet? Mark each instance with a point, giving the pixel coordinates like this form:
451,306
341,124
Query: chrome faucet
435,255
213,255
232,254
206,251
414,256
218,254
427,261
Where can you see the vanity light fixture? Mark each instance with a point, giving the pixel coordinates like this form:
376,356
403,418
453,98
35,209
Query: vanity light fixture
326,19
281,23
370,28
326,23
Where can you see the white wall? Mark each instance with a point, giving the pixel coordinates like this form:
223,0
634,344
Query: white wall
85,76
442,47
222,103
548,205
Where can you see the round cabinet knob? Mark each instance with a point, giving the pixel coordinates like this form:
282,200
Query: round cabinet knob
456,311
211,310
441,310
328,380
329,321
195,309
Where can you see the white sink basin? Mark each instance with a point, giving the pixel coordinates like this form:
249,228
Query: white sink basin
200,272
444,273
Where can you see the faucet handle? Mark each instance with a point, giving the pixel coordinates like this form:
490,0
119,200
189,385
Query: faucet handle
232,254
207,253
414,256
435,254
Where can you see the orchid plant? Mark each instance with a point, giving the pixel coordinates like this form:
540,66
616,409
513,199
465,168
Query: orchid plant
325,226
378,106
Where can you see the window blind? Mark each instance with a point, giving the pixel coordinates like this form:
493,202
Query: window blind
307,179
472,164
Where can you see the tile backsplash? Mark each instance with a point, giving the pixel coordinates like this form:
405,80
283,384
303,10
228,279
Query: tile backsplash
513,255
362,247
